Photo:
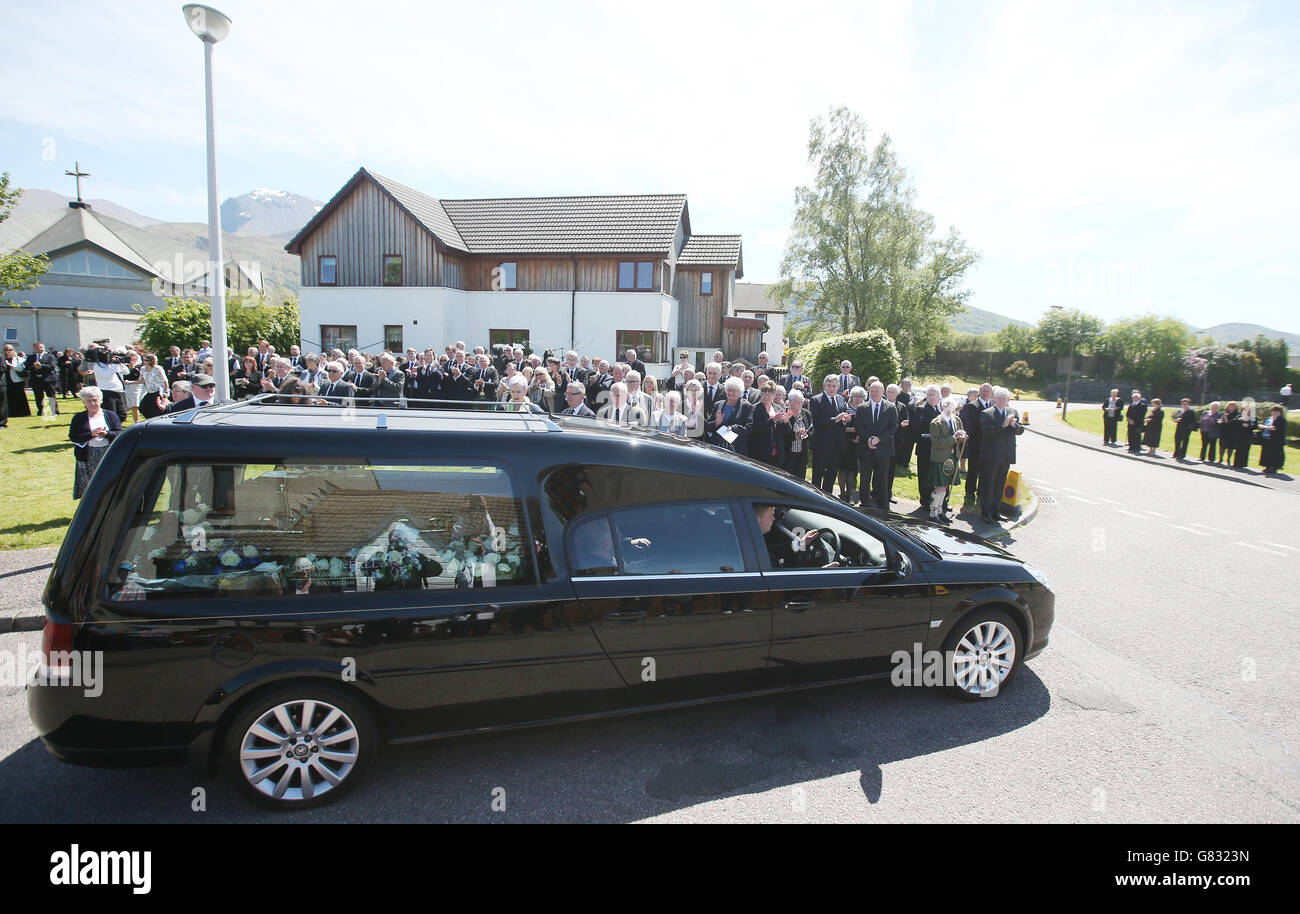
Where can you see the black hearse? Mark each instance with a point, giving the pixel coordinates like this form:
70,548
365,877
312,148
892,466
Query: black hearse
281,589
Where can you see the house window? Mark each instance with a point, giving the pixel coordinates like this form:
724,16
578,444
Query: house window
328,265
393,337
505,278
338,336
636,275
88,263
11,334
392,269
650,345
706,283
509,338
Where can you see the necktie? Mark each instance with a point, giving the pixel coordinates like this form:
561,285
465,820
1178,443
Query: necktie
875,414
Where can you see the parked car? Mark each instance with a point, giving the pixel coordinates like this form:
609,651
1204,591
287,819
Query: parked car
281,590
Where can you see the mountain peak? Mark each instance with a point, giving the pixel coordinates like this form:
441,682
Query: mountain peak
268,212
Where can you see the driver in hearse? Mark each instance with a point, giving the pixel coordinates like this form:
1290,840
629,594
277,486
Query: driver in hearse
781,542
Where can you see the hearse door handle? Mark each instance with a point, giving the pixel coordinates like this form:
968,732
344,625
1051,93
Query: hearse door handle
798,606
626,615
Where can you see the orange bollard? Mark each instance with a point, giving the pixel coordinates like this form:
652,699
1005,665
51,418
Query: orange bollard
1024,418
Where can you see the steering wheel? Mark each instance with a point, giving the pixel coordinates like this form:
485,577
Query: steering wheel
832,541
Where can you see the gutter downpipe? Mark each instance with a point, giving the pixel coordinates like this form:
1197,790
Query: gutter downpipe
573,306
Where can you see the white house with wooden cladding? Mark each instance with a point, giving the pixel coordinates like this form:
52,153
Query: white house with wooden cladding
385,266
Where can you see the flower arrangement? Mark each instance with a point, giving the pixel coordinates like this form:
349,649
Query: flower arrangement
400,564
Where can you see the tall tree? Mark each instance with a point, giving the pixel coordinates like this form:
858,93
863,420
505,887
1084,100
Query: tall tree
1148,349
1058,331
18,269
862,251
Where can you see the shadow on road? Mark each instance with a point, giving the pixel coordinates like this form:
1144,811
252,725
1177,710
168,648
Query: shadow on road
614,770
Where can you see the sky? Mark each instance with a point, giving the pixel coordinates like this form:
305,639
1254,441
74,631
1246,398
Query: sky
1121,158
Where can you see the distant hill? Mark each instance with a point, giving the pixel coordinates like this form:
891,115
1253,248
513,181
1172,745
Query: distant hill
973,320
269,213
1225,334
35,199
279,267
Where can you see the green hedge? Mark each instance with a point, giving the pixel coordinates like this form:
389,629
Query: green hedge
872,352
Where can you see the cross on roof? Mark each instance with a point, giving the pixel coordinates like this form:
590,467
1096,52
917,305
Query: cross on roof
78,174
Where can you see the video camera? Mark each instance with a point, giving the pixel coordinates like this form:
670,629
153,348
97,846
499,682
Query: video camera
100,354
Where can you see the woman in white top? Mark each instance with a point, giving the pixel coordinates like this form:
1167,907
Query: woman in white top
133,385
693,410
154,381
669,418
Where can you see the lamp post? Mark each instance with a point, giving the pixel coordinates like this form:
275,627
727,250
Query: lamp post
211,26
1069,371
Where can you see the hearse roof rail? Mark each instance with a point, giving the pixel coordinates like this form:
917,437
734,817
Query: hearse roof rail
273,404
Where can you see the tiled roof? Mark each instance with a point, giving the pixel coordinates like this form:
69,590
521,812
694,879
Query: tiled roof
711,251
641,224
631,224
755,296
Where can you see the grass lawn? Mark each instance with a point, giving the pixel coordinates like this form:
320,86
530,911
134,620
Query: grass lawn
36,478
1032,389
1089,419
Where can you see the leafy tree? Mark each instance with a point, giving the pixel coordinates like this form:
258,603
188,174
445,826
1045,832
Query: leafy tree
1019,370
1014,338
1273,358
869,256
186,322
1148,349
18,269
1057,330
1229,369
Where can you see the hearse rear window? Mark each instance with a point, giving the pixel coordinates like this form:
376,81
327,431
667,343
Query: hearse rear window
221,530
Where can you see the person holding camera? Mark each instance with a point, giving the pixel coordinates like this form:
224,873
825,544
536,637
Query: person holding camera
108,368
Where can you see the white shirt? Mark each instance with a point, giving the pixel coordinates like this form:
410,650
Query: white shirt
97,422
109,377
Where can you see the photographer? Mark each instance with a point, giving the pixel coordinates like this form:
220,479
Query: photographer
109,368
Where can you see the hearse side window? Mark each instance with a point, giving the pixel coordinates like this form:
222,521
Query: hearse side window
663,539
588,489
212,530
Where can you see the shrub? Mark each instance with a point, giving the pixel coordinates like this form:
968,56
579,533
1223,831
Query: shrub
872,352
1019,370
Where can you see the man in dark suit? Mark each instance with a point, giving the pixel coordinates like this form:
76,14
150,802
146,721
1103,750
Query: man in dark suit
894,395
796,374
752,393
970,421
172,362
714,392
999,426
336,388
922,415
42,370
574,395
202,389
907,440
848,380
360,378
876,421
1185,421
599,385
1110,411
1135,413
635,363
830,414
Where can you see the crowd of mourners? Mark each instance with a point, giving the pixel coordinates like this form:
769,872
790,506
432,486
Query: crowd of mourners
1227,434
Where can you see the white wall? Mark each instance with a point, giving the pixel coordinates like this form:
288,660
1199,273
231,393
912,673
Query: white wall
432,316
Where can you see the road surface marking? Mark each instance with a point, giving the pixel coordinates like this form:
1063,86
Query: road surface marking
1109,501
1208,527
1086,501
1156,513
1262,549
1283,546
1131,514
1068,489
1190,530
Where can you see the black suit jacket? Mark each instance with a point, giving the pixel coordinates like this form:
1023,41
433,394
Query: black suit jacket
181,405
970,420
998,444
79,430
828,435
1136,411
884,428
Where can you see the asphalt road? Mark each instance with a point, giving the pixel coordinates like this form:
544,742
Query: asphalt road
1165,696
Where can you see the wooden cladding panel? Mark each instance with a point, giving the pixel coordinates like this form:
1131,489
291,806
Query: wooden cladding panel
699,317
367,226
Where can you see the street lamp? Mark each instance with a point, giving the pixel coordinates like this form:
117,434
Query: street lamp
211,26
1069,371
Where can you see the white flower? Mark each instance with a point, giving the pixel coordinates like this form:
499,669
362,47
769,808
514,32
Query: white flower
250,552
336,568
230,558
491,558
215,544
321,565
503,568
393,556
